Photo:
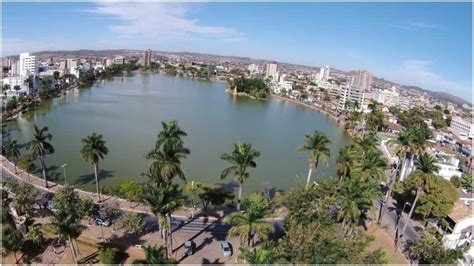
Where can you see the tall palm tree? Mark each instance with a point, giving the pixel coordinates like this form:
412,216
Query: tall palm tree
406,146
171,132
12,151
367,144
355,199
242,157
163,198
372,166
317,146
93,151
345,162
155,255
40,146
262,255
167,160
251,222
423,176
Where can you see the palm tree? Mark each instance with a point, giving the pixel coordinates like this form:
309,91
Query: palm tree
171,132
241,158
355,199
163,198
317,146
344,162
406,146
167,160
12,151
40,146
367,144
93,151
251,222
372,166
35,235
155,255
263,255
423,176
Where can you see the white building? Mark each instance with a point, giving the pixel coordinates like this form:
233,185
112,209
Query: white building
462,128
72,63
362,79
324,73
253,68
350,94
119,60
28,65
108,62
462,232
271,71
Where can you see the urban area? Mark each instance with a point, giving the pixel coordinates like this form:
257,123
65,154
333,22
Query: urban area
402,193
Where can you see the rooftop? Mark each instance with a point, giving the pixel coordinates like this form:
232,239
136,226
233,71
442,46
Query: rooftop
460,211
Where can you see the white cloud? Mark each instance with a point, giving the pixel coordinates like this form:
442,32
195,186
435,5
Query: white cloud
161,22
417,26
418,73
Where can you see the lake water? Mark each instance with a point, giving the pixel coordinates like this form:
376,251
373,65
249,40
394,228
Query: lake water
128,114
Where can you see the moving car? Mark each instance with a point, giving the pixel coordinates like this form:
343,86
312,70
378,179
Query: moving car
226,250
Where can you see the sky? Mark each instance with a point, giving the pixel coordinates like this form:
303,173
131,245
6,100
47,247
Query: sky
421,44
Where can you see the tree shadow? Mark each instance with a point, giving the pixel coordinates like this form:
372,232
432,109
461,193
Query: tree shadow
206,261
205,242
90,178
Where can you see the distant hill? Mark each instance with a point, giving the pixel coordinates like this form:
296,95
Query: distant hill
443,96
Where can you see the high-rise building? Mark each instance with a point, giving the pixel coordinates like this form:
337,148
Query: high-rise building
119,60
461,127
271,70
324,73
253,68
351,94
147,61
72,63
362,79
28,65
63,64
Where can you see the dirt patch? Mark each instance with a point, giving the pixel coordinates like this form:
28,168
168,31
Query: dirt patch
383,241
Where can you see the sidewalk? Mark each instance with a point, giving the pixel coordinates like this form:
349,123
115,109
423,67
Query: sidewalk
123,204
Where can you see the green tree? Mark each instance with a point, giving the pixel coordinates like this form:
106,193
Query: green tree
425,167
25,198
12,240
133,222
93,151
132,191
345,162
263,255
242,157
163,198
12,104
251,222
88,209
12,151
211,195
40,147
372,166
429,249
155,255
66,219
26,163
35,235
466,182
108,255
317,146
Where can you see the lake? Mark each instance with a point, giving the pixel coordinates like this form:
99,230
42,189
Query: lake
128,113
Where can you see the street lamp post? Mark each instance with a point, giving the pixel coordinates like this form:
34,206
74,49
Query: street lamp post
65,177
397,237
192,199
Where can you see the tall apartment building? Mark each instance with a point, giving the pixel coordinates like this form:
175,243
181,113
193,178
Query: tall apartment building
119,60
462,128
147,61
362,79
72,63
27,65
271,70
324,73
253,68
63,64
350,94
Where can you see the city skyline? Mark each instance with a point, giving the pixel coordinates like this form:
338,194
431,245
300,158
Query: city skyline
426,45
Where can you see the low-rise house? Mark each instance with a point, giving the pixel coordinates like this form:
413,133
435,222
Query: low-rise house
461,223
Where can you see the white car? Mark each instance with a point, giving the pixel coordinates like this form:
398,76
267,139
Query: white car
226,250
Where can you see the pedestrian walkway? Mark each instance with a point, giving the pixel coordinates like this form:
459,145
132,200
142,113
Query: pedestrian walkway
123,204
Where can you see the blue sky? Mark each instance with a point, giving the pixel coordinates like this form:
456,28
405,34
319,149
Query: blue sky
423,44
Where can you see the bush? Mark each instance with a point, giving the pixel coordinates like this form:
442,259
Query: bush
109,255
456,181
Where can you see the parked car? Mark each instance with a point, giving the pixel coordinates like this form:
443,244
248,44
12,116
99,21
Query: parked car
189,247
226,249
50,207
176,222
102,221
